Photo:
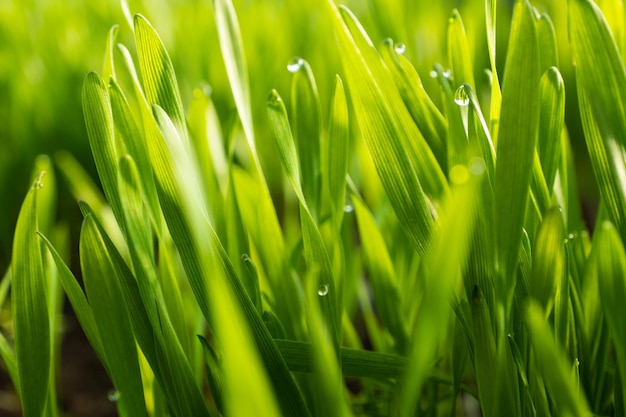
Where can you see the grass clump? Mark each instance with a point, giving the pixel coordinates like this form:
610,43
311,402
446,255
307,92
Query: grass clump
422,254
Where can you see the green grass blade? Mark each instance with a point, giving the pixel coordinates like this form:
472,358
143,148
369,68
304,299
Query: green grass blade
548,265
382,276
112,319
517,136
609,258
448,254
159,79
459,51
379,108
306,116
108,68
234,58
600,79
546,37
426,115
101,132
551,121
30,308
553,366
496,94
337,152
77,299
8,358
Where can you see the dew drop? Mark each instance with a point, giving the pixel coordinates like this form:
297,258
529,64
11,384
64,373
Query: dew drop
322,290
447,73
348,208
460,96
400,48
113,395
295,64
274,99
571,236
433,74
245,257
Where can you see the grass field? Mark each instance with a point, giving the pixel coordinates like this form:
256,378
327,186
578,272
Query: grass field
285,208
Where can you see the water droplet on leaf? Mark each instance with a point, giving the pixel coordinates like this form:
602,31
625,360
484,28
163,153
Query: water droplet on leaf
295,64
322,290
460,96
400,48
113,395
433,74
348,208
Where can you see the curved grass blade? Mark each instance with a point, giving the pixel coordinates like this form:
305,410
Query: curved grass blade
108,69
112,320
496,94
554,369
387,127
546,37
159,79
609,258
30,309
600,76
426,115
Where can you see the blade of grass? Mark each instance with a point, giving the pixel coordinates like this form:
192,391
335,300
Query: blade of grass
112,320
30,308
516,143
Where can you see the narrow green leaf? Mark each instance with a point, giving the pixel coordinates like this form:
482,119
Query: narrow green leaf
30,308
385,288
234,58
496,95
8,358
442,268
426,115
600,79
112,320
337,151
108,69
101,132
551,121
548,259
402,159
517,138
553,366
546,37
459,51
159,79
306,116
609,258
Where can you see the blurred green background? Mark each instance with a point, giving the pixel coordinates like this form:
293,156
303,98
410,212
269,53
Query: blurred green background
47,47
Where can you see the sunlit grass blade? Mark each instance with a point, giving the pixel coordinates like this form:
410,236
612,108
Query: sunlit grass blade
553,366
112,320
378,106
459,51
306,116
337,151
108,68
201,252
551,121
314,249
426,115
600,79
159,79
231,46
30,308
517,136
101,132
609,258
546,37
442,271
496,94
